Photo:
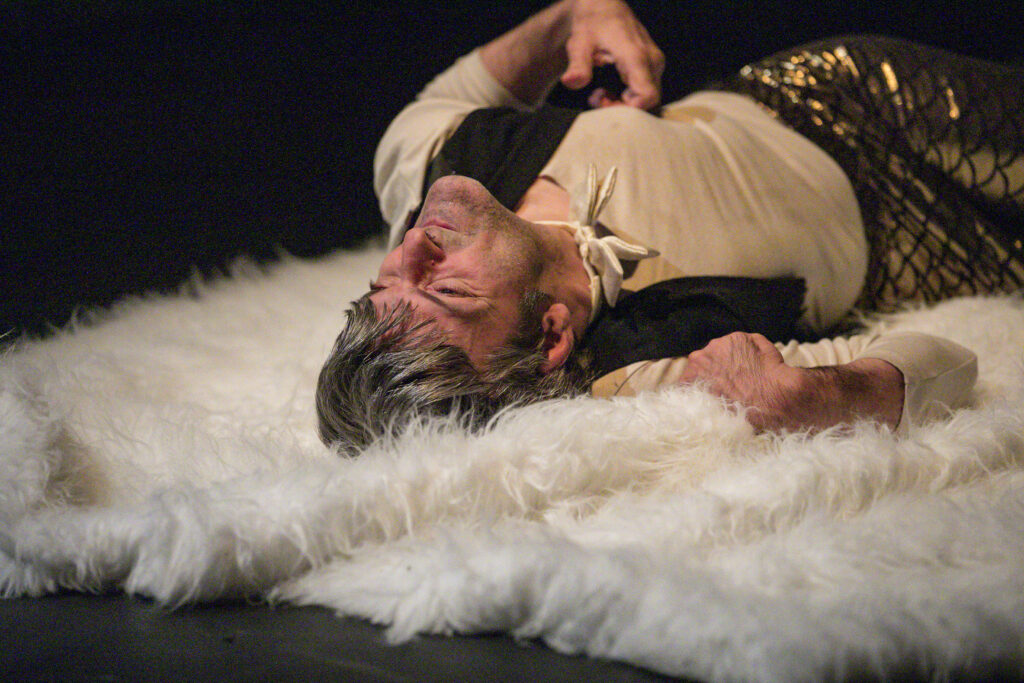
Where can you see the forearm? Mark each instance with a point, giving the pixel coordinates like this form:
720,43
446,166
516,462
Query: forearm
867,388
893,379
937,374
529,59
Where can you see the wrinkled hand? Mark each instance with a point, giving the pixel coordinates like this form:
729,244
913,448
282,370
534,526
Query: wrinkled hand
607,32
748,369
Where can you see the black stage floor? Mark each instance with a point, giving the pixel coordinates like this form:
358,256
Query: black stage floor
76,637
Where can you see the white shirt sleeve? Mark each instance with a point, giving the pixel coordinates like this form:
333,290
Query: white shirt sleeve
418,132
938,374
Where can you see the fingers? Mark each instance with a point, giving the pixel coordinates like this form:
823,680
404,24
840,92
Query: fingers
641,78
733,360
737,346
743,342
607,33
642,75
599,98
580,51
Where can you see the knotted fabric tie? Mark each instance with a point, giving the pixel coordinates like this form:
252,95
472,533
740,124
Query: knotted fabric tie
602,256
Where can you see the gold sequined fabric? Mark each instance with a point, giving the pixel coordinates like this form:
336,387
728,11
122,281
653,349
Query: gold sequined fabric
933,144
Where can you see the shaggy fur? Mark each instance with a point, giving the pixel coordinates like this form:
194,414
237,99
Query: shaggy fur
170,450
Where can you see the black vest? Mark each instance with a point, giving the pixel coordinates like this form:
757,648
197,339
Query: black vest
505,150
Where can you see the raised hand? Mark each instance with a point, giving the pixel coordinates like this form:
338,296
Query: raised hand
567,40
607,32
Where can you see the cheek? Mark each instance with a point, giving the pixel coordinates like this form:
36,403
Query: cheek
519,262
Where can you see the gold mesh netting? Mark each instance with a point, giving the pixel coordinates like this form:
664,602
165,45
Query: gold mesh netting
933,144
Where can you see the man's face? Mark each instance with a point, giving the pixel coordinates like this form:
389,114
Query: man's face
463,267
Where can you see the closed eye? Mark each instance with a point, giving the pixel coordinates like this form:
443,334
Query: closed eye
448,291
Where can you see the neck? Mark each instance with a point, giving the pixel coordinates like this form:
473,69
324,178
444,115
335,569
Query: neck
544,200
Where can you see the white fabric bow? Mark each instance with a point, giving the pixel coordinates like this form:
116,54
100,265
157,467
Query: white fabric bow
602,256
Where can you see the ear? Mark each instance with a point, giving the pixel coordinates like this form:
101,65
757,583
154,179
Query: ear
559,337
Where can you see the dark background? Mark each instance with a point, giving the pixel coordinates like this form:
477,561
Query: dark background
140,141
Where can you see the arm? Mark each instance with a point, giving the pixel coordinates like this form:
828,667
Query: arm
895,378
750,370
938,374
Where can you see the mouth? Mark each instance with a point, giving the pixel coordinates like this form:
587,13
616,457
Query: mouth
437,223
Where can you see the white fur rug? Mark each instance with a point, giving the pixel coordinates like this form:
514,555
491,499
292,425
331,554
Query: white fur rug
171,451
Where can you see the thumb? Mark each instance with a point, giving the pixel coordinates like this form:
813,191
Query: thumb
580,52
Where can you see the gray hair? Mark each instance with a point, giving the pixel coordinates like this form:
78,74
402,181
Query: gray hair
385,371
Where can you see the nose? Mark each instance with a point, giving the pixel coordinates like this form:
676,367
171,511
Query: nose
419,254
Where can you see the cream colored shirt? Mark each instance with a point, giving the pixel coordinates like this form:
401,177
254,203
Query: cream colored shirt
718,187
